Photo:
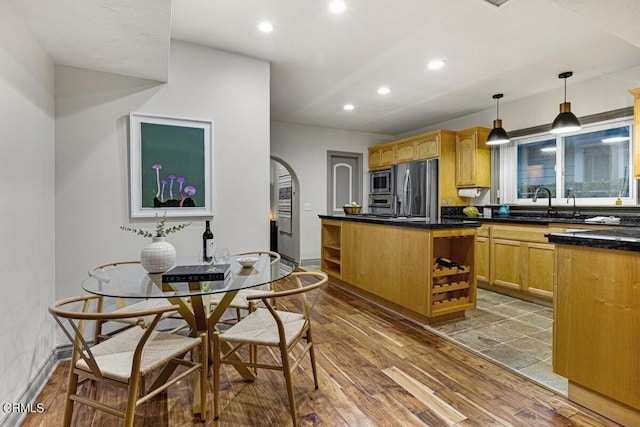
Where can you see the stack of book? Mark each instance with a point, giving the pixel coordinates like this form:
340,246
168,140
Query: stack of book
197,273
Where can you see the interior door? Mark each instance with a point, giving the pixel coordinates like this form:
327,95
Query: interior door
344,176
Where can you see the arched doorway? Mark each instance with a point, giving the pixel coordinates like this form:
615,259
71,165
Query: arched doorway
285,209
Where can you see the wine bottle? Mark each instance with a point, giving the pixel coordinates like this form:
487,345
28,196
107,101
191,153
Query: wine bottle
207,244
445,262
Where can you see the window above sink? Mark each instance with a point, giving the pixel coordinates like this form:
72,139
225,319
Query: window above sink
594,165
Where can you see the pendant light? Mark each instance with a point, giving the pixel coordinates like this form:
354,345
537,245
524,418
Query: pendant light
498,135
566,121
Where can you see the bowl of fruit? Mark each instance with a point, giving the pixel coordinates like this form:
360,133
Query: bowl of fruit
352,208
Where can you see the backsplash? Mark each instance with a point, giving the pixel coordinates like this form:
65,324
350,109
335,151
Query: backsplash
629,215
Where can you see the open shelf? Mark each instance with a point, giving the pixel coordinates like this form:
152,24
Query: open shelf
331,248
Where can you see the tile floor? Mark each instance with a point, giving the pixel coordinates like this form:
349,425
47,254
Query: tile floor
514,333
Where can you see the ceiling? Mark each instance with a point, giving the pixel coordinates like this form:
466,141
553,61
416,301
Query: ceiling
321,61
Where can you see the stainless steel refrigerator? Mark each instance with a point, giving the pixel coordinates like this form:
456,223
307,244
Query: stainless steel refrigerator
415,190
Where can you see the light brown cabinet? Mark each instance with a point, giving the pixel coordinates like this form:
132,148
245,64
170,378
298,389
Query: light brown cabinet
505,270
405,151
428,146
517,259
381,156
482,253
395,266
596,329
520,259
636,132
539,266
420,147
439,144
473,158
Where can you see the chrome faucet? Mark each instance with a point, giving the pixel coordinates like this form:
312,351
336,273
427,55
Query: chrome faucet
535,198
575,212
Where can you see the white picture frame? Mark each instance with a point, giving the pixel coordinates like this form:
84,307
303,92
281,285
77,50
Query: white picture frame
170,166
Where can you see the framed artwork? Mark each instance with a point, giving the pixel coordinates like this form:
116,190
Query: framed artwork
170,166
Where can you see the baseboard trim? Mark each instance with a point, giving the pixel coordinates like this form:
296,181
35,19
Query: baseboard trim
313,261
32,390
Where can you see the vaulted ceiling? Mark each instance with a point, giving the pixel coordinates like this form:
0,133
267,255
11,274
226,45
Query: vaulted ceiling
321,61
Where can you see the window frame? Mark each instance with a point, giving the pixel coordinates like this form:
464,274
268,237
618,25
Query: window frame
509,166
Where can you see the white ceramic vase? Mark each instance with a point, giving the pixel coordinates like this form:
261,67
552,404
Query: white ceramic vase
158,256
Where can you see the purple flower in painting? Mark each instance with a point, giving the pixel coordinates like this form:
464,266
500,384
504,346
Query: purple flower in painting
163,182
171,178
181,180
157,168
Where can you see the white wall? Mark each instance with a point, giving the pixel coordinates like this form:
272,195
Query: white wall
92,156
598,95
304,148
27,227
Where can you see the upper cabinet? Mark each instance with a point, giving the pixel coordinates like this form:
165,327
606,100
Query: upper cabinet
636,131
440,144
473,158
428,145
381,156
418,147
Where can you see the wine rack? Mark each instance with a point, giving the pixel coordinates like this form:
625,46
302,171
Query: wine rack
453,287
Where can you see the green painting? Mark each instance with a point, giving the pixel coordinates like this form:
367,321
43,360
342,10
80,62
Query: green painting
173,169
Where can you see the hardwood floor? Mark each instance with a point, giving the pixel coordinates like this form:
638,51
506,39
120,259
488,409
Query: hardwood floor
375,369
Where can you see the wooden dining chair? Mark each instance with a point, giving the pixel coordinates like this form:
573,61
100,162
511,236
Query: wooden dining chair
127,357
104,272
240,302
271,327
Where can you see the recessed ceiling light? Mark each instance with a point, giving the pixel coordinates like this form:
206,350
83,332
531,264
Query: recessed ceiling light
383,90
348,107
436,64
265,27
549,149
337,6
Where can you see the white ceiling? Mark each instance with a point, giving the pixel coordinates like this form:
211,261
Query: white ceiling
320,61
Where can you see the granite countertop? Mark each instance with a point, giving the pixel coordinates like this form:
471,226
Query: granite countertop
625,239
411,222
542,220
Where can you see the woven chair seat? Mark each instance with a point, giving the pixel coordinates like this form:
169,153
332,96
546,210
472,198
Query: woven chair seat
115,355
149,304
260,328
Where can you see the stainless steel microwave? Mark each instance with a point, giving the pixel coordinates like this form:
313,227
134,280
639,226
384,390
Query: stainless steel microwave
381,181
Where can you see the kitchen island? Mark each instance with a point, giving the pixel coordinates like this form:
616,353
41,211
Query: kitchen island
596,335
392,262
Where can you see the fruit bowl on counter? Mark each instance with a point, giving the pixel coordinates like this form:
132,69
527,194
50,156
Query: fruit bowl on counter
352,208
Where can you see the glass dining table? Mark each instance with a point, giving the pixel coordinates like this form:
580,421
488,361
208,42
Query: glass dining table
128,280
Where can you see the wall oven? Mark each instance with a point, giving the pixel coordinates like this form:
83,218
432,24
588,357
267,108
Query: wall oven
380,204
380,181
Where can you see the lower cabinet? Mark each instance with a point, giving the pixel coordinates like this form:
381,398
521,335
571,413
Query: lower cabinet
539,269
519,259
482,253
506,268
